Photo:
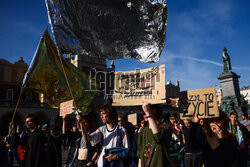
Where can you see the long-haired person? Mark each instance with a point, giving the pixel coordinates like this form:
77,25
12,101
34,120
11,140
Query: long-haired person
220,148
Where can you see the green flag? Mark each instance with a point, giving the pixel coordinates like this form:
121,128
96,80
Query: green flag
45,75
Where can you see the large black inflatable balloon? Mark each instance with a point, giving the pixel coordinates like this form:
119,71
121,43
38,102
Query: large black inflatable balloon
109,29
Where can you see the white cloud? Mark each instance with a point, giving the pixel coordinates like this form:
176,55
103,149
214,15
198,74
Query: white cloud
189,32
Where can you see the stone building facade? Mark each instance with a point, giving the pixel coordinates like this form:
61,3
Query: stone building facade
11,76
245,91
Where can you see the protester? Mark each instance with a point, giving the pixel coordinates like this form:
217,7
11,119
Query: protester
113,138
129,127
154,140
175,143
12,141
181,151
194,142
87,154
245,120
241,134
22,147
3,153
71,137
220,148
35,155
59,142
140,125
201,122
51,151
165,118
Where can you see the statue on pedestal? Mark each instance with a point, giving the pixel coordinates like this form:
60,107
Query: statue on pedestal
228,105
227,63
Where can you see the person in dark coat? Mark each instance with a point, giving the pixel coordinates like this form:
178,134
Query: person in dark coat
71,137
58,138
240,133
13,140
51,151
3,153
194,142
35,155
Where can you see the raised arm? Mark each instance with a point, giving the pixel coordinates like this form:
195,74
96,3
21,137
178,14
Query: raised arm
85,136
151,118
64,124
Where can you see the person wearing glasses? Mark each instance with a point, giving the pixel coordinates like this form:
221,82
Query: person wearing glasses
122,121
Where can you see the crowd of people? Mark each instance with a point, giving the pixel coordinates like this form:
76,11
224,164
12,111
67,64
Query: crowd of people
156,141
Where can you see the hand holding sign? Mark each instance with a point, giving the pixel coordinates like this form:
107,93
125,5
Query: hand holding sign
195,119
79,117
146,108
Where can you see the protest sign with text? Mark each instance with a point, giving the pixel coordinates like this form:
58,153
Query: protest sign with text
132,118
133,87
200,102
66,108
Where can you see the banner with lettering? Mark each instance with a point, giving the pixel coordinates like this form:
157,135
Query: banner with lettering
133,87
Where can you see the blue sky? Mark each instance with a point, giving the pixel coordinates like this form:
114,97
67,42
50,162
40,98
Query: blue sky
197,31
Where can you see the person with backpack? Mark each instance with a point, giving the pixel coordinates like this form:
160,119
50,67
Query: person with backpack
113,138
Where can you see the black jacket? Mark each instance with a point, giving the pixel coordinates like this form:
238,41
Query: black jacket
225,155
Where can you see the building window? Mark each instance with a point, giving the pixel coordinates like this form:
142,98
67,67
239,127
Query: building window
9,95
1,74
28,97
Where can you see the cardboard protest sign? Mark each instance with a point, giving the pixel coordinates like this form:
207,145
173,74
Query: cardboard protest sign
133,87
66,107
132,118
200,102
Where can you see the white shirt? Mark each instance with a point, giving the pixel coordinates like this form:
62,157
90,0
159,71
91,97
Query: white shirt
110,140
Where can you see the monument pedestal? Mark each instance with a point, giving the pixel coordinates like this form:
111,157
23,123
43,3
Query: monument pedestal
230,88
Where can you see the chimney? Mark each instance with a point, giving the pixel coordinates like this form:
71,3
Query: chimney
20,59
177,83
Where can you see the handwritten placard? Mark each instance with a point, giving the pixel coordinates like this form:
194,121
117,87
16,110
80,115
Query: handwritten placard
66,107
133,87
132,118
200,102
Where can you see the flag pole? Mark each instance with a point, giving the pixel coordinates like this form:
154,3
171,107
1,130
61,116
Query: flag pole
67,81
12,120
19,97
